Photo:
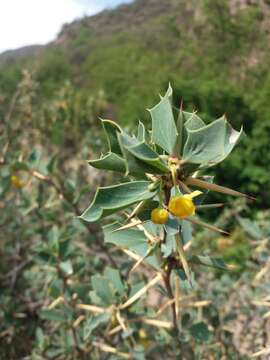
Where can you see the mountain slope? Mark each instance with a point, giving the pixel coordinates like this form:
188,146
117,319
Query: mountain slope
123,17
144,45
19,54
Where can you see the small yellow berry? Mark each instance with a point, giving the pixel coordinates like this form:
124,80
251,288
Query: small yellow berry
142,334
159,216
16,182
182,206
143,339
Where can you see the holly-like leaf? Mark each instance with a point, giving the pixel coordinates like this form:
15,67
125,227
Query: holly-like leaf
139,154
111,199
111,129
132,239
110,161
141,132
210,144
164,131
192,121
186,121
134,166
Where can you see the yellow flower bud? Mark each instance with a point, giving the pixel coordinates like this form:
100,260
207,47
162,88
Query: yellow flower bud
142,334
143,339
159,216
16,182
182,206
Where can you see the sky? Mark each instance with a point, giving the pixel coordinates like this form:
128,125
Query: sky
28,22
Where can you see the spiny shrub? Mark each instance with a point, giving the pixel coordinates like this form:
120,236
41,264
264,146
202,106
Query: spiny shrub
154,208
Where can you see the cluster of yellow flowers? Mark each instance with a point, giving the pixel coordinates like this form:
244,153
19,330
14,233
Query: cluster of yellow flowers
181,206
16,182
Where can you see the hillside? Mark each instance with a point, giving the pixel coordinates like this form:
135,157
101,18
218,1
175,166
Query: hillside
16,55
123,17
215,54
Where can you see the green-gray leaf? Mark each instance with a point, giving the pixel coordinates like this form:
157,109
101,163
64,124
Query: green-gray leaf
172,226
110,161
251,228
114,277
131,239
52,315
103,289
210,144
186,231
66,267
111,199
111,129
145,158
169,246
192,121
200,331
141,132
186,121
216,263
164,132
93,322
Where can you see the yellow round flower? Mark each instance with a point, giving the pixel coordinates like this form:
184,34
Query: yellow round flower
159,216
143,339
181,206
142,334
16,182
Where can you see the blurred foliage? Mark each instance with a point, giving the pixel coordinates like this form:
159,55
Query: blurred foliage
39,205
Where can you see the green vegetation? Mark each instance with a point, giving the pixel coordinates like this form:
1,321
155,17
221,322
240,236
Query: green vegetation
54,264
214,60
58,272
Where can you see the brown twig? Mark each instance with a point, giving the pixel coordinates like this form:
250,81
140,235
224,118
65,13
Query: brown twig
167,282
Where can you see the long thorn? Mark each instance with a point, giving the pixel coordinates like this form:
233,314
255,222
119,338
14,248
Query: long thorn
214,187
207,226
